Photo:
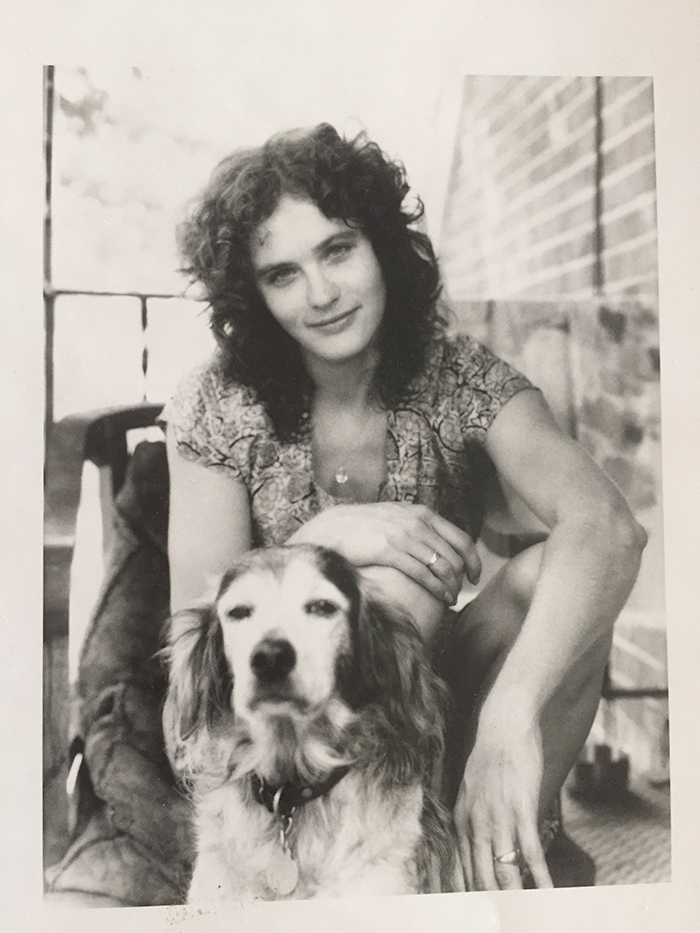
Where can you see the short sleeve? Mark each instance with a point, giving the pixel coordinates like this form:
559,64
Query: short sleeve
471,386
215,422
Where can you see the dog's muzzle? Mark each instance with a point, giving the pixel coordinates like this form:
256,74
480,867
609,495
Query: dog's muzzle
273,659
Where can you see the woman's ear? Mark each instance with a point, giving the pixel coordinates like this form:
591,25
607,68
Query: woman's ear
200,681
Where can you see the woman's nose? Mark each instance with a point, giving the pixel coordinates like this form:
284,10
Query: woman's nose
322,291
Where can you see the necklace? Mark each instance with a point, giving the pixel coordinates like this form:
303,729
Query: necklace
351,459
353,464
341,476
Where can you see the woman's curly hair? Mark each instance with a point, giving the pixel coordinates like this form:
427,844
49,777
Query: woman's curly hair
349,180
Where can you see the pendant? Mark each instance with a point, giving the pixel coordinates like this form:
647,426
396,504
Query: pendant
282,874
341,477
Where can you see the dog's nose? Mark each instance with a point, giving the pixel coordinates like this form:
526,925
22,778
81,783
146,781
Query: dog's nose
273,659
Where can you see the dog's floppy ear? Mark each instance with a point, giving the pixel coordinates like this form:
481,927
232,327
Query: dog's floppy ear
200,683
397,676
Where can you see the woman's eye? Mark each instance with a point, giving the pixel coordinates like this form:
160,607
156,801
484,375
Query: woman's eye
280,277
321,607
338,250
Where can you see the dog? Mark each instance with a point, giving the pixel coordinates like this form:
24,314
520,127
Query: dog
304,717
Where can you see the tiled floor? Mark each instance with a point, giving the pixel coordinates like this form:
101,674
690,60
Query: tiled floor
629,838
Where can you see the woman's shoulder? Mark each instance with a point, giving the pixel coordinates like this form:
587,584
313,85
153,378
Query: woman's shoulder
461,358
459,349
218,422
465,381
210,409
456,356
209,388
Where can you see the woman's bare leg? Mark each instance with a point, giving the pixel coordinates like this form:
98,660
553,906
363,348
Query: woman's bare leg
472,656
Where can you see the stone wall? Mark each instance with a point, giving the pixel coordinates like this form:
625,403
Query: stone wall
549,256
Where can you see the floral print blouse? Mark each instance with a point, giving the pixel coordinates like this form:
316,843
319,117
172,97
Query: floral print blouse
435,451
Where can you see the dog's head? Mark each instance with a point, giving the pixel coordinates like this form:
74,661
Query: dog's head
281,660
286,618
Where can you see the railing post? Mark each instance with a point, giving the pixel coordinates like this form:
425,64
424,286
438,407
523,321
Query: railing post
49,298
144,351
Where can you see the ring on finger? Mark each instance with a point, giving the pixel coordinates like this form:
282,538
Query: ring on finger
433,560
510,858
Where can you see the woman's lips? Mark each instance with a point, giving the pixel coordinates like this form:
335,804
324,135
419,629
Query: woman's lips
332,324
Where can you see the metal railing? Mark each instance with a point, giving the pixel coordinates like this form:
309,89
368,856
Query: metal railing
50,296
51,293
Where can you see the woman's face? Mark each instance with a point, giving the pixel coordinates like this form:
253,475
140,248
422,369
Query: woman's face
320,280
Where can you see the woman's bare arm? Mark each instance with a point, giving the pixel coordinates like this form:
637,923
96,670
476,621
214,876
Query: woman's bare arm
591,557
588,566
209,526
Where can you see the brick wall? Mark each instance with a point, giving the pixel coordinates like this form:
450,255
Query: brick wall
548,252
628,182
552,189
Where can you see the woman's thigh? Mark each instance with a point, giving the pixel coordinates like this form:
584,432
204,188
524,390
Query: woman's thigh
426,611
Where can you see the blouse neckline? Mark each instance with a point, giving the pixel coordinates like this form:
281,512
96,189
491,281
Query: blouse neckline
390,482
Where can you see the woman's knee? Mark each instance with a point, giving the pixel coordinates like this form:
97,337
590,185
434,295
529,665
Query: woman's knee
426,611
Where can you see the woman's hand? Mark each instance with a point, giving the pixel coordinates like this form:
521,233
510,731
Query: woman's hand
413,539
496,810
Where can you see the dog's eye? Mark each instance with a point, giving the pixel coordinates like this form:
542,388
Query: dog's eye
321,607
239,612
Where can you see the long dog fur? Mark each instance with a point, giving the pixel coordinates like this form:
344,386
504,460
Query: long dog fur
381,828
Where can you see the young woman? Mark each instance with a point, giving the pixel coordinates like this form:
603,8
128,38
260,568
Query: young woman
338,412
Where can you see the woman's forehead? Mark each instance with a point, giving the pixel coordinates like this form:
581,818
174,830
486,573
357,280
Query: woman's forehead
296,225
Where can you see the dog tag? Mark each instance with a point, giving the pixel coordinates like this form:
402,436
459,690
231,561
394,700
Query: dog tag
282,874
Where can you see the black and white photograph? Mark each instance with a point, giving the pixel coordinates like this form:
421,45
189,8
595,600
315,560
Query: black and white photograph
357,580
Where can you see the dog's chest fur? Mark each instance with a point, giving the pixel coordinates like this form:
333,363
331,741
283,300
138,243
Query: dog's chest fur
354,840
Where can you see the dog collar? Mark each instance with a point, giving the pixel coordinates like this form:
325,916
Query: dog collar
284,799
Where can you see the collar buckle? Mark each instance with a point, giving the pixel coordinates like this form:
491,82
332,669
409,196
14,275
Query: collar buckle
284,799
